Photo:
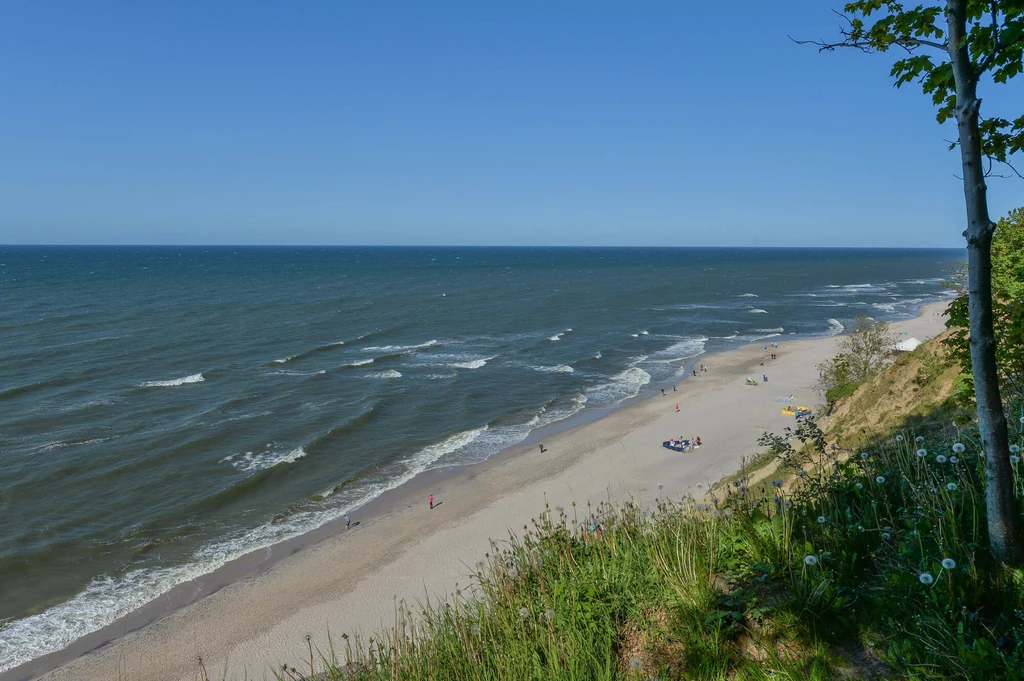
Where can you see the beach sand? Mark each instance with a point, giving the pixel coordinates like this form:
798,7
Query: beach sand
348,581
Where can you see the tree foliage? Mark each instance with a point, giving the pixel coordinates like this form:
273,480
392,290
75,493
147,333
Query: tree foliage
1007,309
995,46
863,352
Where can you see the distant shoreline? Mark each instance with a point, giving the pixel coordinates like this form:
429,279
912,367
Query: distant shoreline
594,455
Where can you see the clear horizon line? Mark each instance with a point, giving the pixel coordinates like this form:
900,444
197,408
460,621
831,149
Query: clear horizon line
508,246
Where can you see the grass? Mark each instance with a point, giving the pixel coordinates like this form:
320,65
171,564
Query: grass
873,565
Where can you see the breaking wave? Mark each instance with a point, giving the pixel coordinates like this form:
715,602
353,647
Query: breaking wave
193,378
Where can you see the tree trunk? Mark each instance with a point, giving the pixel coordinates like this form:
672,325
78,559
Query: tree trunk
1004,524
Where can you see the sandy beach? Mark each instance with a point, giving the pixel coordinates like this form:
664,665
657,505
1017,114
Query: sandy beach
348,580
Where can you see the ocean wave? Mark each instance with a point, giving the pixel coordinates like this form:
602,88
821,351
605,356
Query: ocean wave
685,348
777,329
472,364
250,461
560,368
757,311
598,355
71,443
622,386
311,351
835,327
401,349
390,373
748,295
884,307
357,363
558,336
193,378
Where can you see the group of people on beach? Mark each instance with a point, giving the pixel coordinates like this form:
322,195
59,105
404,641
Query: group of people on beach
683,445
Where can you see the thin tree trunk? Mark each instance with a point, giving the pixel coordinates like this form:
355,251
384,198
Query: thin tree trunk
1004,524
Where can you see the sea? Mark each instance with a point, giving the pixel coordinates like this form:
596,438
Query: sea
164,410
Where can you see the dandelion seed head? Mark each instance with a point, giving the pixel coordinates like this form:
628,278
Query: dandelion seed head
951,486
810,560
880,479
524,613
636,663
958,447
948,563
788,504
776,483
921,453
886,536
899,438
1014,449
940,459
1014,459
953,459
821,519
925,578
864,455
919,438
859,486
549,615
513,572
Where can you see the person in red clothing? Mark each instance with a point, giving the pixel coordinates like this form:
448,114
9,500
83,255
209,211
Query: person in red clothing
431,502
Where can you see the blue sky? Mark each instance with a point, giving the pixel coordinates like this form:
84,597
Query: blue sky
658,123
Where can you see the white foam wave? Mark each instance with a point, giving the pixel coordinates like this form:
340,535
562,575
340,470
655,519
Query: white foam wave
194,378
60,445
472,364
399,348
777,329
557,336
748,295
885,307
835,327
598,355
359,363
622,386
390,373
757,311
683,349
560,368
250,461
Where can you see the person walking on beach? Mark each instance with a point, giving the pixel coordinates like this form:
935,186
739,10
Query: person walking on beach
348,522
677,407
662,392
541,447
431,502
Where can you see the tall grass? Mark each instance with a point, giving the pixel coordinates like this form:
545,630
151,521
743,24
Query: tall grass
873,565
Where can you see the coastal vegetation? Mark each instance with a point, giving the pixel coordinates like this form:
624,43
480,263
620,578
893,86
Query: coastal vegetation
950,49
864,350
868,559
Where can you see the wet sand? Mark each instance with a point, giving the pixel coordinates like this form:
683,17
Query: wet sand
254,615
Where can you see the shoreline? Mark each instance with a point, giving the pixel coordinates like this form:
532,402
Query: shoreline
256,610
